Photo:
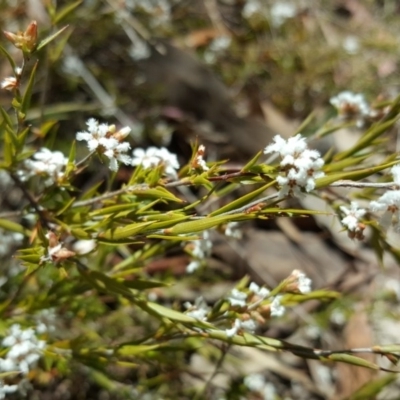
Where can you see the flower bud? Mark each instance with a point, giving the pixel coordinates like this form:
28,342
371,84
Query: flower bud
26,41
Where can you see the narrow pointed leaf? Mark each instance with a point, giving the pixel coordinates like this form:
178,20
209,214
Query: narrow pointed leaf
46,41
26,99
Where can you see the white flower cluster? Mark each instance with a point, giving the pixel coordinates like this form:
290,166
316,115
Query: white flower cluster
198,310
301,166
199,250
352,219
352,106
239,299
389,203
257,383
232,230
302,283
278,13
46,163
24,350
106,140
154,157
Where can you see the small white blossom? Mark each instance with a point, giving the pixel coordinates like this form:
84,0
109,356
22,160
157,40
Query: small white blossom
193,266
303,283
239,325
351,44
277,309
199,250
153,157
249,325
199,310
234,330
301,166
237,298
198,161
251,8
84,246
232,230
352,105
9,83
46,163
352,219
389,203
281,11
261,292
257,383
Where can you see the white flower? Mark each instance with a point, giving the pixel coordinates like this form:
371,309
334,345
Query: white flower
237,298
261,292
277,309
114,152
232,230
249,325
389,203
352,105
84,246
352,219
95,133
198,161
24,350
281,11
300,165
303,282
251,8
193,266
254,382
234,330
9,83
153,157
199,310
351,44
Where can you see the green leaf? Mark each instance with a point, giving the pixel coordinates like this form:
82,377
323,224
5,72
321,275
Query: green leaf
134,350
113,209
158,193
200,225
103,282
368,138
124,232
353,360
252,162
371,389
242,200
26,99
13,227
142,284
6,117
165,312
9,58
353,175
65,11
50,38
22,138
